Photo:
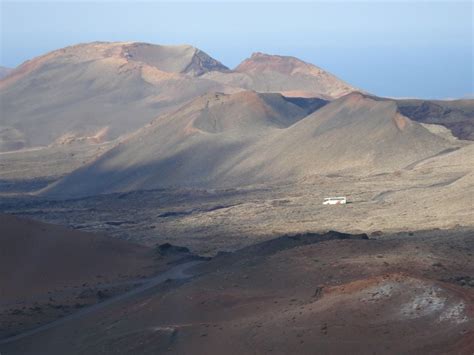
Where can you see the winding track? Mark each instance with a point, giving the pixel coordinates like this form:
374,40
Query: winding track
176,273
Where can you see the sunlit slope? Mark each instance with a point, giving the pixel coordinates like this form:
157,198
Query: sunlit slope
287,75
100,90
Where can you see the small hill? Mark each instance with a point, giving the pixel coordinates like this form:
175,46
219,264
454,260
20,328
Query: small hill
354,134
287,75
245,111
189,146
247,138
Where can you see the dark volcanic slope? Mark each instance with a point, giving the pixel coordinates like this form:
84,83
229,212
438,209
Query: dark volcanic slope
247,138
100,90
457,115
295,295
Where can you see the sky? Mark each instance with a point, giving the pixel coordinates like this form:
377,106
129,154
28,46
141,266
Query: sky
396,49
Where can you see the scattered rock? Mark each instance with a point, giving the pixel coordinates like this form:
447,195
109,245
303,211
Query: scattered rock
101,295
167,249
466,281
318,292
119,223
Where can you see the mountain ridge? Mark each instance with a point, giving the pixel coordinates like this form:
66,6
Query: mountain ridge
252,146
108,90
287,75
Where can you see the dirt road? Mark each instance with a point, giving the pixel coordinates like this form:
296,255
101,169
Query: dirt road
176,273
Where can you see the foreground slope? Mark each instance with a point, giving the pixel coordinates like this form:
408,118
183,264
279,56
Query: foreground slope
49,271
249,138
294,294
41,257
98,90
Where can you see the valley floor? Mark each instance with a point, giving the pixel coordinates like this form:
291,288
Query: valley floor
209,221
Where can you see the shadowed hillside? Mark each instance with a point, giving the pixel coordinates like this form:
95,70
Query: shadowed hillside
248,138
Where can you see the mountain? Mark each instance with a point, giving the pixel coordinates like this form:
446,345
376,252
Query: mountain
221,140
101,90
4,72
287,75
97,92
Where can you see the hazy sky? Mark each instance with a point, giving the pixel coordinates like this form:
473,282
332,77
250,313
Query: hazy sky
401,48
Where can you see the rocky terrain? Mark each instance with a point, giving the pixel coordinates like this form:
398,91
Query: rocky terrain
153,200
331,292
53,271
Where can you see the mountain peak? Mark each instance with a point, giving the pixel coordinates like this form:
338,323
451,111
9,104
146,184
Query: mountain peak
291,76
262,61
176,59
259,54
183,59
